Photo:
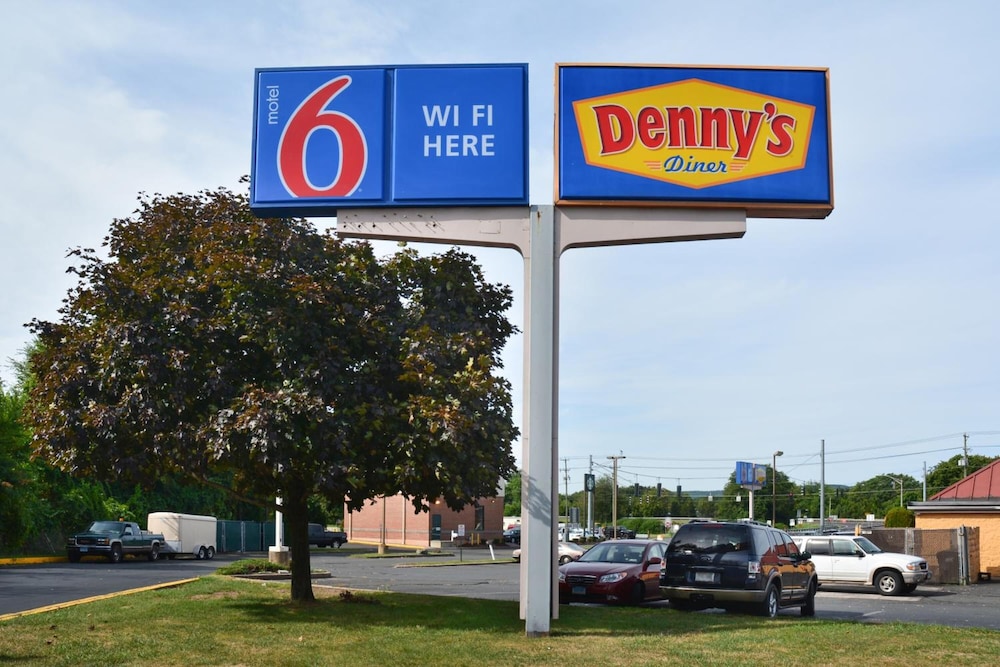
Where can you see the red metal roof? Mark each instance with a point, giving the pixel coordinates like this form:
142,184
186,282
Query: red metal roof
984,484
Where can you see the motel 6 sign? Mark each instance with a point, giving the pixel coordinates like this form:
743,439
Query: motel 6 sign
347,137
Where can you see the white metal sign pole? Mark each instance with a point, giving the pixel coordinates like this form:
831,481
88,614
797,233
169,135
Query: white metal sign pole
539,586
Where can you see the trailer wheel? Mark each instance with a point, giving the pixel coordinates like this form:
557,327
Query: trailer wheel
210,554
201,553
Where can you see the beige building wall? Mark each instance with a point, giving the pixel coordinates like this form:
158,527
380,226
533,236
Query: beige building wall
404,526
989,534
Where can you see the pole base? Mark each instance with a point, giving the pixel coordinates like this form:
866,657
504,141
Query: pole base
279,555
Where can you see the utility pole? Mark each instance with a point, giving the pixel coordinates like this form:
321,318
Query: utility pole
566,486
590,503
822,484
925,481
965,455
900,482
614,493
774,486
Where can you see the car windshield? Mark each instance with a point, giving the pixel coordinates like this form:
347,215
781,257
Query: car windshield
613,552
867,545
718,539
105,527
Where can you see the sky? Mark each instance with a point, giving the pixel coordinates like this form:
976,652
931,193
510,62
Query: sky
871,335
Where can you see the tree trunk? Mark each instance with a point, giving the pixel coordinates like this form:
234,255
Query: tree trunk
297,521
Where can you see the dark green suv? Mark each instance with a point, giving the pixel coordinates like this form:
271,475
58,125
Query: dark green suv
737,565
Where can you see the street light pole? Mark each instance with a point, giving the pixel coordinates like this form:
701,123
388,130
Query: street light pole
774,484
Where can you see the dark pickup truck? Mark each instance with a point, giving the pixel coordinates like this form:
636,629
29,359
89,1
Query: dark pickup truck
114,540
322,537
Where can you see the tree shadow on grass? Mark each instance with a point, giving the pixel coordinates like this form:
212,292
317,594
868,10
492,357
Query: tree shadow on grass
352,610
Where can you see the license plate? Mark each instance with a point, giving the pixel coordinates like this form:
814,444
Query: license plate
704,577
579,590
83,549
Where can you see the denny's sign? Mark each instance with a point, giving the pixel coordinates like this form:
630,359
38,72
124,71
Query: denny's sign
751,138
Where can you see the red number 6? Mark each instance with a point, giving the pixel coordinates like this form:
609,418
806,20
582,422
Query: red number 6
309,117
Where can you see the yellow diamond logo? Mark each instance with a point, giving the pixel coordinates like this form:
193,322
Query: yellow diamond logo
694,133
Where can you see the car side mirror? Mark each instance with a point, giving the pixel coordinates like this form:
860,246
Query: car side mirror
805,555
860,554
655,560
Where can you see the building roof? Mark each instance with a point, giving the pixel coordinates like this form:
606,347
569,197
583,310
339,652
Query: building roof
984,484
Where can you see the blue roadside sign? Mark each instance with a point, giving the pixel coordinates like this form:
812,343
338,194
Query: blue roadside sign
347,137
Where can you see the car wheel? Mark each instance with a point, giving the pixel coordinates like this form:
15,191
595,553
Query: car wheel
809,608
564,559
889,582
769,607
154,552
116,554
682,605
638,593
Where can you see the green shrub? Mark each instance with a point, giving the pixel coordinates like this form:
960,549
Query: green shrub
900,517
251,566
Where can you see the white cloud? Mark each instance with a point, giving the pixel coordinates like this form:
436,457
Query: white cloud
875,326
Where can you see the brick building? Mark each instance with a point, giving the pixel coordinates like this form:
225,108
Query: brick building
481,522
975,502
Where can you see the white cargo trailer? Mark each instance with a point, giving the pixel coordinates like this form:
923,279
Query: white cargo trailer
184,534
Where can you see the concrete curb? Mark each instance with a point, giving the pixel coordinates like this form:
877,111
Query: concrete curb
277,576
32,560
106,596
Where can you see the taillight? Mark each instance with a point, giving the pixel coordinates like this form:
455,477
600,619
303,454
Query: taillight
753,567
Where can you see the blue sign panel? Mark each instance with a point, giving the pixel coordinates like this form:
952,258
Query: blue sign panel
750,475
329,138
717,137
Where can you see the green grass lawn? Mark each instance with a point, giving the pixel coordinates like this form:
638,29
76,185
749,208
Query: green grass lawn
219,620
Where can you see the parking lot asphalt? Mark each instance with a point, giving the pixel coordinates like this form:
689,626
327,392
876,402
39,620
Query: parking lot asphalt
50,583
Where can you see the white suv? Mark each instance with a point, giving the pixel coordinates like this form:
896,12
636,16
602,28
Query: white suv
855,560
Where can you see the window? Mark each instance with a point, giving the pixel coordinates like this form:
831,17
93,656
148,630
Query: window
818,547
793,548
710,539
843,548
760,541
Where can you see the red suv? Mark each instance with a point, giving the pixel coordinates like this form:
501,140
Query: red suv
737,566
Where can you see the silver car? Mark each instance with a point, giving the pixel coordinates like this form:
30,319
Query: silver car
855,560
568,551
